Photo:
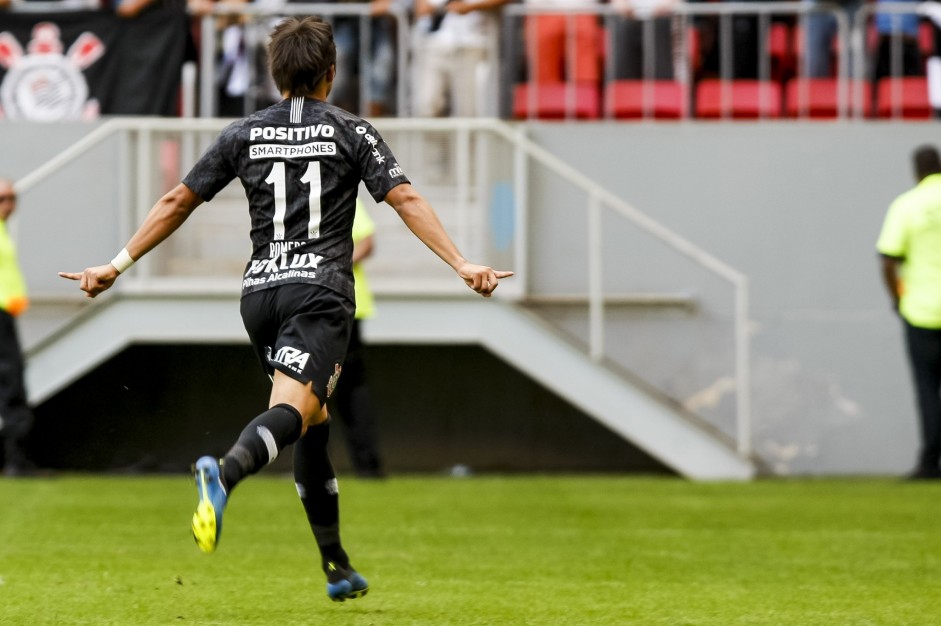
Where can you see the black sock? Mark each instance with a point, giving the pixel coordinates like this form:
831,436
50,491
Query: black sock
260,442
317,486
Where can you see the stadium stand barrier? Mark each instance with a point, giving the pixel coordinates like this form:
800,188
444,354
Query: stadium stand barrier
706,81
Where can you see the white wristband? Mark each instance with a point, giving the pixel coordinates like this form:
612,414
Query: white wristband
123,261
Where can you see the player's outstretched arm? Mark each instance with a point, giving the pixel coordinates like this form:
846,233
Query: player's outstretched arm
164,218
422,220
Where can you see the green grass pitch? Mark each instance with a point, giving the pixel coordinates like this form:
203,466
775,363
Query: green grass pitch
513,551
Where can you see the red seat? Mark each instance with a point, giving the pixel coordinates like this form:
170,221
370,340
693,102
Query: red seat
632,99
903,96
819,97
556,101
746,99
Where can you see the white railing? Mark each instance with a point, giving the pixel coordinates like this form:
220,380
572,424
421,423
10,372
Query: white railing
141,132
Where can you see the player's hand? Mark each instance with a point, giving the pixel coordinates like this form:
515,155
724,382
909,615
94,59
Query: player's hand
481,278
94,280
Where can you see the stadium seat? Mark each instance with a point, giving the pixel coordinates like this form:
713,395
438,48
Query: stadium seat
904,97
627,99
551,101
747,99
819,97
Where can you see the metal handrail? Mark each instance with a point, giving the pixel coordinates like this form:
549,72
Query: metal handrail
596,196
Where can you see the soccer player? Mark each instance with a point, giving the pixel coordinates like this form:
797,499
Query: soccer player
300,162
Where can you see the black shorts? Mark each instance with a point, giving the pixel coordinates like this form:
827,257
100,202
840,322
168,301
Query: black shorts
300,330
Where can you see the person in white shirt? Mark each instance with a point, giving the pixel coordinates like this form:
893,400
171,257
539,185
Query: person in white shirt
455,43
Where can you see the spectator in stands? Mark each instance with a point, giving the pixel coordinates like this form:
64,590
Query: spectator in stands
563,46
16,417
745,50
896,52
455,57
352,398
910,245
646,25
821,29
239,42
382,60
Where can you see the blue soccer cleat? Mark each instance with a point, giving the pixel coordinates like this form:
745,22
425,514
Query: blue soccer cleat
344,583
207,520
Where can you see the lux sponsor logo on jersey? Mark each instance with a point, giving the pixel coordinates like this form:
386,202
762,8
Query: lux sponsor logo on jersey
281,267
289,357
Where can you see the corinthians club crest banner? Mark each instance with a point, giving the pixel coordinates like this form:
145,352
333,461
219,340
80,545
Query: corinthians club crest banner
79,65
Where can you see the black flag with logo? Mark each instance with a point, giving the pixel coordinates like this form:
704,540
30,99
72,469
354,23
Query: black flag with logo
82,64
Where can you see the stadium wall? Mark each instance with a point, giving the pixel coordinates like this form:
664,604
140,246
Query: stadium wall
795,206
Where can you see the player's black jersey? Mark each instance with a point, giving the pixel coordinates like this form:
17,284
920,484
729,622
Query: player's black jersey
300,162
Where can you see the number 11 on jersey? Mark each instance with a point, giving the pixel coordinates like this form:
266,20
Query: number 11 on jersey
311,177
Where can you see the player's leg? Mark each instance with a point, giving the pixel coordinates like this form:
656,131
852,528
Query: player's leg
259,444
264,437
322,332
317,486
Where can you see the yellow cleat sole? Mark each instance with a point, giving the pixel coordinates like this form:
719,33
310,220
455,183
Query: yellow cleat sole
204,527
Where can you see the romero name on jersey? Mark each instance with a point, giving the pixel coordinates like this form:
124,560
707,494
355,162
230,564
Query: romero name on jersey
299,162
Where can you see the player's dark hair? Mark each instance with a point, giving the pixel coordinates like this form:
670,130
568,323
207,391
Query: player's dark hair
300,53
927,161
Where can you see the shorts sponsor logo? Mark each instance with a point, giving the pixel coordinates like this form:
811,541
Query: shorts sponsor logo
289,357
